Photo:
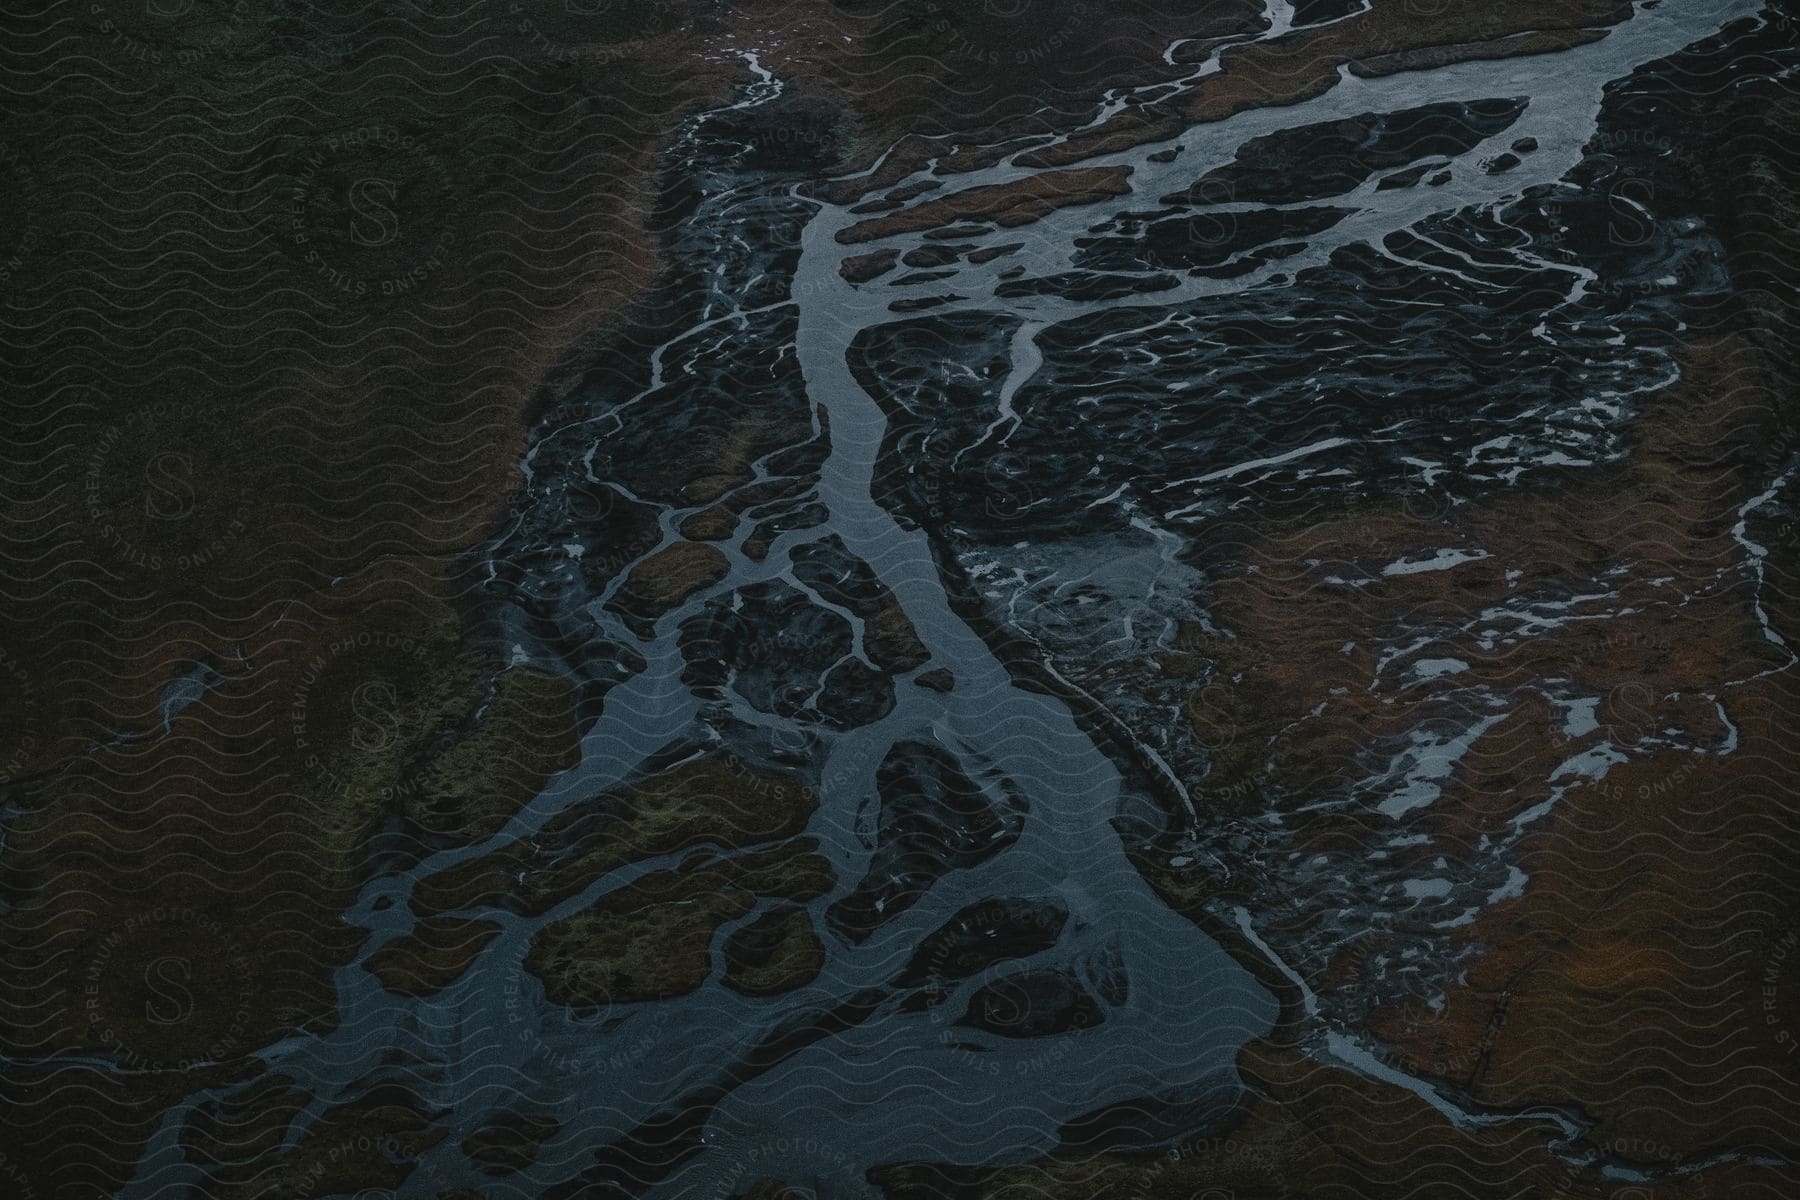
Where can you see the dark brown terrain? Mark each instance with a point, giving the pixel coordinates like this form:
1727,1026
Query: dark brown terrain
404,403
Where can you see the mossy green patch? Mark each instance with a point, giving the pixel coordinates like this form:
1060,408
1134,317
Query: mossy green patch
777,952
653,938
523,736
433,956
701,801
